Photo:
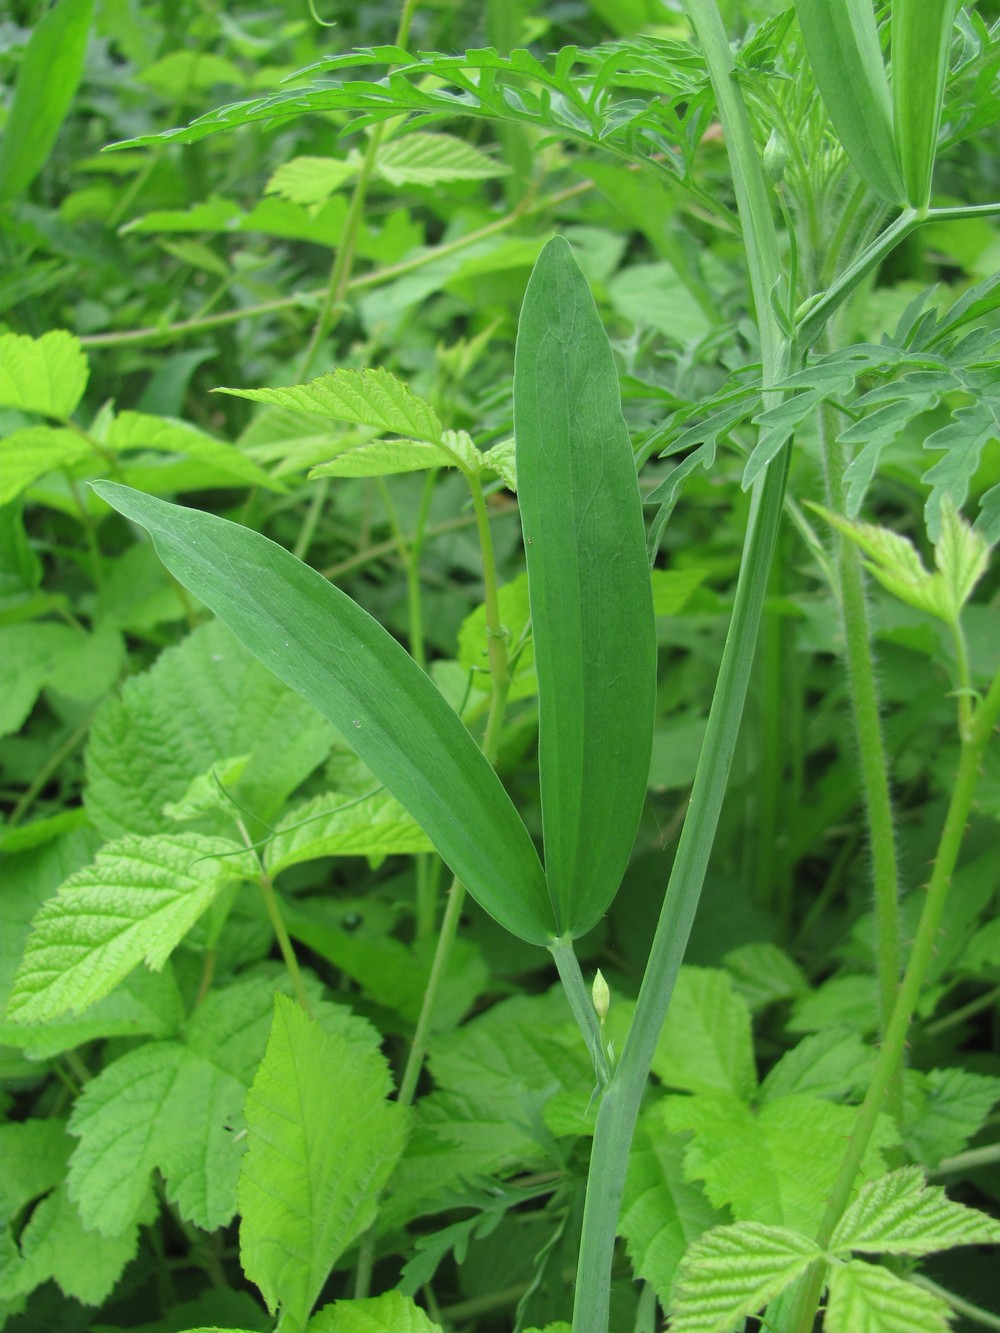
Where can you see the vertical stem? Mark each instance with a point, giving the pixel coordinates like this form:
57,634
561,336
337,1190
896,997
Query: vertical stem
284,942
891,1051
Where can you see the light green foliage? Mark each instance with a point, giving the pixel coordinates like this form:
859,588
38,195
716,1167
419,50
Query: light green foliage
137,901
385,457
367,397
733,1271
47,81
946,1108
35,451
706,1044
833,1063
46,375
333,825
773,1164
175,1107
205,700
322,1140
901,1214
391,1313
663,1212
311,181
865,1298
591,610
433,159
35,656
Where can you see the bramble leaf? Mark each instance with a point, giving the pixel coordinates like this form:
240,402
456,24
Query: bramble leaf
33,452
865,1298
390,1313
46,375
382,458
333,825
137,900
315,1161
732,1272
706,1043
368,397
420,158
901,1214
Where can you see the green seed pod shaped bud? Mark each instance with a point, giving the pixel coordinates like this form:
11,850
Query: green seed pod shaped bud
775,157
601,996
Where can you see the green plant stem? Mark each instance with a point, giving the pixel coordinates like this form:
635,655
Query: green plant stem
582,1005
284,941
988,1155
54,762
863,690
621,1100
891,1051
311,521
976,1313
362,282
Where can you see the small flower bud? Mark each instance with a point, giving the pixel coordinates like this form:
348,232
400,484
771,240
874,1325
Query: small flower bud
775,157
601,996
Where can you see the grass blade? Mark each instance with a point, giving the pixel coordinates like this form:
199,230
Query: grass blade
588,579
921,41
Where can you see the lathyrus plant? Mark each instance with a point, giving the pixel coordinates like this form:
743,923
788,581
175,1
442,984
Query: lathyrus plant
867,186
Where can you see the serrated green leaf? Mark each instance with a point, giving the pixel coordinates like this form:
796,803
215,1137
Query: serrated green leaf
137,901
176,1107
961,556
662,1212
832,1063
46,85
368,397
421,158
341,660
732,1272
588,580
764,973
864,1298
333,825
770,1164
503,461
945,1110
312,180
139,430
315,1162
383,458
706,1043
964,438
390,1313
901,1214
31,453
46,375
33,1156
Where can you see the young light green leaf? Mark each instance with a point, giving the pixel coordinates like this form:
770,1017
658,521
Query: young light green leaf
46,375
901,1214
431,159
588,578
390,1313
46,85
865,1298
921,37
732,1272
175,1107
842,42
33,1155
382,458
139,430
31,453
333,825
322,1142
137,900
312,180
961,555
706,1044
323,645
502,459
368,397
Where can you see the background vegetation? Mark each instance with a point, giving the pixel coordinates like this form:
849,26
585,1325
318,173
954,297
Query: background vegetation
134,283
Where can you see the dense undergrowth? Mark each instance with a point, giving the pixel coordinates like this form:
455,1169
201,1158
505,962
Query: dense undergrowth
262,1060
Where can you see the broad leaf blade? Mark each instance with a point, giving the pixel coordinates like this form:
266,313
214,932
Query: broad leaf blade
865,1298
322,1141
46,85
901,1214
591,606
323,645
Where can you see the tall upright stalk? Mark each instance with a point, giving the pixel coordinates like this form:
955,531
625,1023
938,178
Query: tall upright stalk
621,1098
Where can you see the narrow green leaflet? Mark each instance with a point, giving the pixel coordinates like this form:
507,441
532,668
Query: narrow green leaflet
46,375
368,397
137,900
391,1313
323,645
322,1141
588,578
732,1272
312,180
921,42
865,1298
901,1214
46,85
382,458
